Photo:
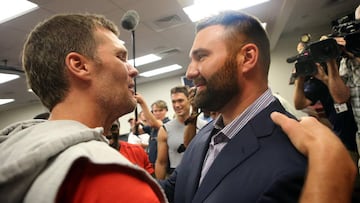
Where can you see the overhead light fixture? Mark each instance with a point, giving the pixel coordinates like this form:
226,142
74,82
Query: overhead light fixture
162,70
145,59
5,101
11,9
204,8
5,77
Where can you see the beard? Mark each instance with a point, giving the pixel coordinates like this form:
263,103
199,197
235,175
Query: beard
221,87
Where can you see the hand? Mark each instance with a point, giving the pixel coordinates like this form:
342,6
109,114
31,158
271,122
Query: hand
139,98
321,75
340,41
331,171
308,134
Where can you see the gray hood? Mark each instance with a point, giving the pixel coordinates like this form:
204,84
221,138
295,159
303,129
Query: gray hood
27,147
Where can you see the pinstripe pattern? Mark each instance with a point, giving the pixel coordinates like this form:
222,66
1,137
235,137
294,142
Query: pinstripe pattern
233,128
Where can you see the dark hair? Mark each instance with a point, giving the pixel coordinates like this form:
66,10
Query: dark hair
180,89
240,28
44,115
47,46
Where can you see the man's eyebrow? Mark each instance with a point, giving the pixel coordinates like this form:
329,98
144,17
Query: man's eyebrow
197,51
177,100
121,51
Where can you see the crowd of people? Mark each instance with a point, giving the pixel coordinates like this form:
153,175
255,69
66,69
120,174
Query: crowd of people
251,150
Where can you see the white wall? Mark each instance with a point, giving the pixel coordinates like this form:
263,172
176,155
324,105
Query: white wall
19,114
278,81
150,91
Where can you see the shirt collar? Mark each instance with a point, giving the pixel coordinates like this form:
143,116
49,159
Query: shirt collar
240,121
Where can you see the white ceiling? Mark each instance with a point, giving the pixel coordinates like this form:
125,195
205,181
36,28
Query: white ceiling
164,29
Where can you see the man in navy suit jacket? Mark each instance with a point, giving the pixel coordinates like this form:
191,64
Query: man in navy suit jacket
242,156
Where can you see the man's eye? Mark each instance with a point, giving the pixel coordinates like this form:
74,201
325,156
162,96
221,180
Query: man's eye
123,58
201,57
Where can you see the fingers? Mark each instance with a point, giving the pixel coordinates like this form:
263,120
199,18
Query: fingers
287,124
293,129
340,41
139,98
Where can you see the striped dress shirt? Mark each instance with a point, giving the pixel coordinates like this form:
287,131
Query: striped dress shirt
222,134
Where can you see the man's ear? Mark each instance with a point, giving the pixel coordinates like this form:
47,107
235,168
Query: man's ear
77,65
249,54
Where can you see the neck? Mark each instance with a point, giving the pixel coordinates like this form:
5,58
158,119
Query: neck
182,118
88,113
238,104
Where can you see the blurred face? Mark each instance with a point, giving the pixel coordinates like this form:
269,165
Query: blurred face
181,104
213,70
159,113
114,79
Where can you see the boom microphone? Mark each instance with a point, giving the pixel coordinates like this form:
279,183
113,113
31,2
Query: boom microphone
130,20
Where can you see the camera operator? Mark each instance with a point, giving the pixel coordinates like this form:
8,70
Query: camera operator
349,71
319,86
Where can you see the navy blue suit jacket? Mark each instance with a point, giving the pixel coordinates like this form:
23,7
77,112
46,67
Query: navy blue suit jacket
259,164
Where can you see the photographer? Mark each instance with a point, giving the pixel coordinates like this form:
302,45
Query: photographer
350,73
349,69
320,86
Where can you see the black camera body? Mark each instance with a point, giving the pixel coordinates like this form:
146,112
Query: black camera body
316,52
321,51
349,28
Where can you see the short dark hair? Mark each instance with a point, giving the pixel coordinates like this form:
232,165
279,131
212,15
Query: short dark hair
44,115
47,46
240,28
180,89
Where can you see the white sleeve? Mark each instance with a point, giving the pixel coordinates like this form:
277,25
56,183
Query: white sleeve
133,139
144,138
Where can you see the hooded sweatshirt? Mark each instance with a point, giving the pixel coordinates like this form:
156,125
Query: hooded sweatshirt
36,156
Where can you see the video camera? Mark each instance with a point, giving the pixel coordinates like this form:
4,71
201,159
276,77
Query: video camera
349,28
316,52
321,51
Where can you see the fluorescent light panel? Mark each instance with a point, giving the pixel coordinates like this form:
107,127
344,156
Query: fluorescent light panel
10,9
204,8
4,77
144,59
162,70
5,101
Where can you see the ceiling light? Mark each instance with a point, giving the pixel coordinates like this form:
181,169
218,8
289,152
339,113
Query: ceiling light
5,101
144,59
4,77
161,70
10,9
204,8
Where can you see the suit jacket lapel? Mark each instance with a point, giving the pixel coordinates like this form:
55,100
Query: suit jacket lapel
195,155
241,146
